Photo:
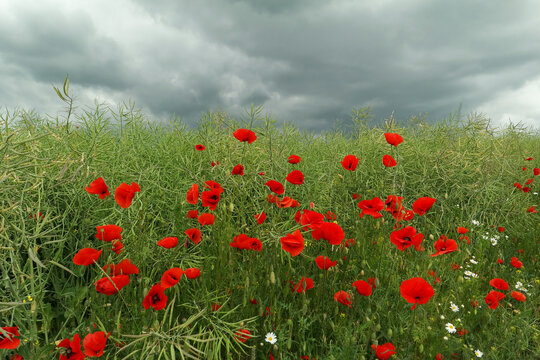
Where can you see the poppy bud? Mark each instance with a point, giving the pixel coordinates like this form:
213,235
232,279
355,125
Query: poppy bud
421,348
289,343
231,207
389,333
364,263
272,277
340,176
378,327
362,272
247,282
431,237
289,322
460,279
446,195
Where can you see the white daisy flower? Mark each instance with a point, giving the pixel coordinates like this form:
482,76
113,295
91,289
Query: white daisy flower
493,241
473,261
454,307
271,338
450,328
478,353
476,222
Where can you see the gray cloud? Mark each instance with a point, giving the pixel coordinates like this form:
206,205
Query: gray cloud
309,62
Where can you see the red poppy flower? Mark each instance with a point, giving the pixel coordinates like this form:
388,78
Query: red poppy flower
168,242
199,147
210,198
444,246
117,247
330,216
516,263
422,205
98,187
517,185
260,217
310,219
529,181
438,357
295,177
287,202
194,235
293,243
349,242
10,342
294,159
300,288
416,290
518,296
155,298
73,349
275,186
171,277
94,343
86,256
350,162
214,163
529,159
243,241
383,352
109,232
192,273
536,171
500,261
362,287
373,282
16,357
406,237
531,210
371,207
329,231
493,297
192,195
192,214
393,138
206,219
499,284
432,273
253,301
215,306
462,230
124,267
245,135
242,335
238,170
324,262
105,286
124,194
343,297
389,161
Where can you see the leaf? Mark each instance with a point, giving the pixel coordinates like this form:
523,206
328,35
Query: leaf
34,257
62,267
59,94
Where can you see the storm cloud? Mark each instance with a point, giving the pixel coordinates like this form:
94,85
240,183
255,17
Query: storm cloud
308,62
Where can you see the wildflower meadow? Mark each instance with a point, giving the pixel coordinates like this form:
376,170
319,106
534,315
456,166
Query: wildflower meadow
121,238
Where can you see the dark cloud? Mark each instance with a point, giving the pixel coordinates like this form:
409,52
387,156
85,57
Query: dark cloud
309,62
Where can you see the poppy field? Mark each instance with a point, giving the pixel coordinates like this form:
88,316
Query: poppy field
240,239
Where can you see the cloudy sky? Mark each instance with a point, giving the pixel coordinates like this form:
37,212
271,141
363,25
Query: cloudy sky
308,61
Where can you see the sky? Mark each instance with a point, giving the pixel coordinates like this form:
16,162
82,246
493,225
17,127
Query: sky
308,62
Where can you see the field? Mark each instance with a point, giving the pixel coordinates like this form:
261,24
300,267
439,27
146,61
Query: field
385,289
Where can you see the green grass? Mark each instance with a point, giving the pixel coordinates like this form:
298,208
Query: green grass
468,167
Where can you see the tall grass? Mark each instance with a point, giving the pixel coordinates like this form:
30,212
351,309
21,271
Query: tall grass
468,167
